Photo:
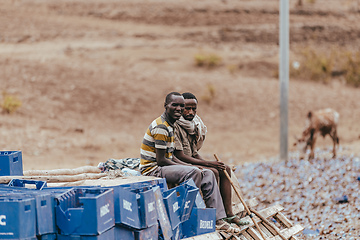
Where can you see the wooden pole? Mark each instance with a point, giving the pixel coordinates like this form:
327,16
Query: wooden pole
56,172
284,77
243,202
55,179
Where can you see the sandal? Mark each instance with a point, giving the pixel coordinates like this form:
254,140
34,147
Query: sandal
235,219
222,225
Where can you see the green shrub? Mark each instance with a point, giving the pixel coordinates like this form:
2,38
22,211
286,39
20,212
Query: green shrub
352,69
313,65
207,60
10,103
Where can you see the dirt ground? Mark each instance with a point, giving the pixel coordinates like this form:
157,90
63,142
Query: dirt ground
93,74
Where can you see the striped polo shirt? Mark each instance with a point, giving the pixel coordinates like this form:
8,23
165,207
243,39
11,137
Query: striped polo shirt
160,135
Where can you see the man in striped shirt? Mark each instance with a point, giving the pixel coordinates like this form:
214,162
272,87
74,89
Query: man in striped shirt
157,159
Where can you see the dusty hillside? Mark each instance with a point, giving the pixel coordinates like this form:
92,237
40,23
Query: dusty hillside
93,74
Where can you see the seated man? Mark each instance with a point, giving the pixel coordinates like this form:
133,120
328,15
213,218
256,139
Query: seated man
157,159
190,134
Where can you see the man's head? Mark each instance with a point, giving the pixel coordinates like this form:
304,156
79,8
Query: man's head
174,106
190,106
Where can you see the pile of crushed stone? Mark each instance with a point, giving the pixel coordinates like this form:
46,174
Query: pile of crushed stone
320,194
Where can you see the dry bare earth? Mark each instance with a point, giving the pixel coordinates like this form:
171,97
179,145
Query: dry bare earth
93,74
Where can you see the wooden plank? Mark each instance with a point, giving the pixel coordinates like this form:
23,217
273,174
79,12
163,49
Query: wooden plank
270,229
267,212
283,220
269,224
247,236
271,211
225,235
235,237
288,232
209,236
242,237
238,207
265,230
254,234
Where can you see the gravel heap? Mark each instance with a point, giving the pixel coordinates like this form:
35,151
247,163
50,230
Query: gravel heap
321,194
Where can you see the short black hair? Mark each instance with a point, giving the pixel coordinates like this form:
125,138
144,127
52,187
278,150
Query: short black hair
168,97
189,95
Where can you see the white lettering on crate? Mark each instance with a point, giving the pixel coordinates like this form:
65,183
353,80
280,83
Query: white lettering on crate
187,204
151,206
161,211
3,220
206,224
175,206
127,205
104,210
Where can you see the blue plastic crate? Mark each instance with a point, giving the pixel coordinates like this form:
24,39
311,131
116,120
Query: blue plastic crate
85,211
39,185
50,236
17,218
177,233
11,163
172,207
201,221
147,207
165,230
162,184
107,235
199,201
186,196
45,215
124,233
150,233
126,208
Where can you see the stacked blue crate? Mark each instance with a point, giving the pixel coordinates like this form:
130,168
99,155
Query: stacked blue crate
123,233
83,212
135,209
107,235
38,185
165,230
45,216
149,233
201,221
179,202
172,207
146,211
11,163
17,218
186,196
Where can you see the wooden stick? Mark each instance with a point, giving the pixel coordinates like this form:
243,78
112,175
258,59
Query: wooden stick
75,171
243,202
52,179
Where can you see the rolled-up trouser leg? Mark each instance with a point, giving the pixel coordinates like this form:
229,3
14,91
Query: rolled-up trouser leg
211,193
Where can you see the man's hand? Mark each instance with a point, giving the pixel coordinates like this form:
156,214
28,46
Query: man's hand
218,165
